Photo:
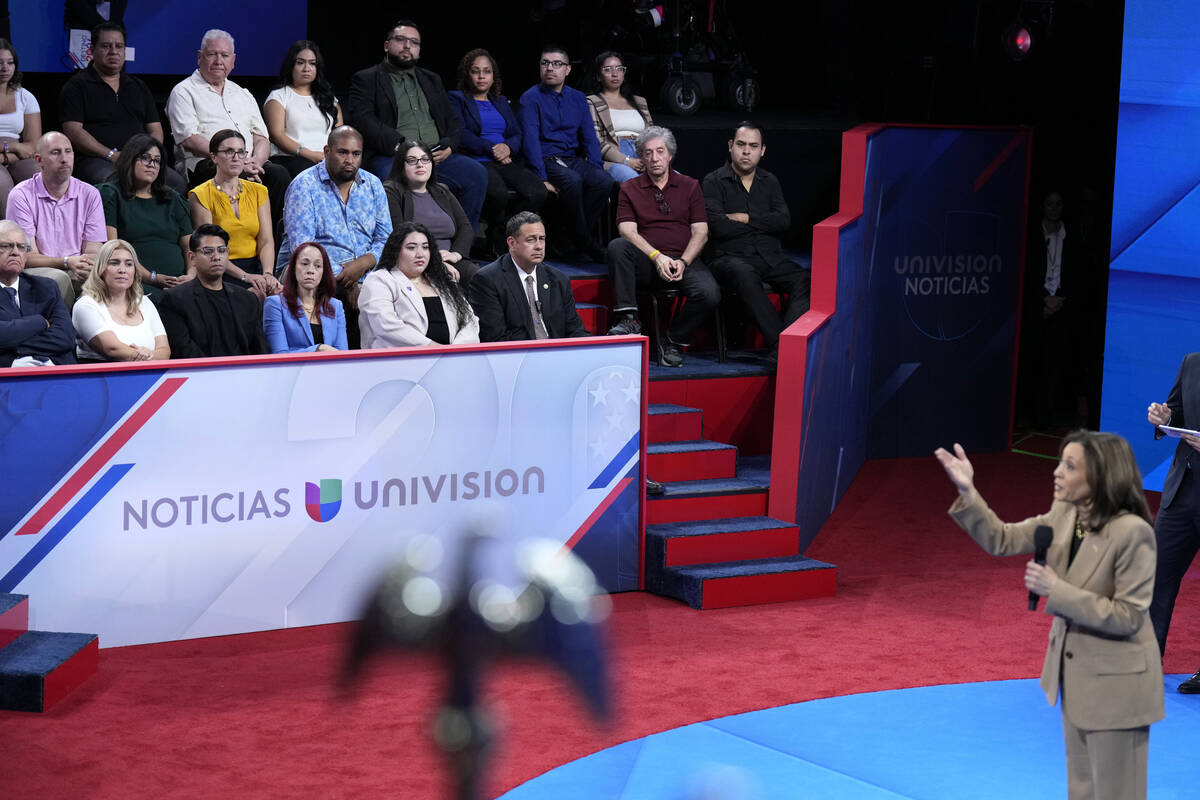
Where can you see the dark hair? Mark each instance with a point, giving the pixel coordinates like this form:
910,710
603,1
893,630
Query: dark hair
396,175
553,48
513,226
464,72
15,81
222,135
595,83
749,125
325,289
435,272
322,92
1112,475
207,229
108,25
138,145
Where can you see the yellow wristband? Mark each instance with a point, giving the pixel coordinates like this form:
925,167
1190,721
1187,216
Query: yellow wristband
655,255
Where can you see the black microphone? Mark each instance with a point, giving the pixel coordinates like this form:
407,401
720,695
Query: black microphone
1041,543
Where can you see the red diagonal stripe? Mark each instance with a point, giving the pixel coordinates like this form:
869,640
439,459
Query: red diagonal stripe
591,520
98,459
998,161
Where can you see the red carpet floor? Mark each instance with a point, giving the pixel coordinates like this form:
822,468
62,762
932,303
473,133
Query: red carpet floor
256,715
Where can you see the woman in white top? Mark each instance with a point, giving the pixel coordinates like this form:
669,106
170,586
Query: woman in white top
302,110
20,125
619,116
113,320
411,299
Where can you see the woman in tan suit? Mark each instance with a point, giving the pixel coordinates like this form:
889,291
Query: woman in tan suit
618,115
1098,578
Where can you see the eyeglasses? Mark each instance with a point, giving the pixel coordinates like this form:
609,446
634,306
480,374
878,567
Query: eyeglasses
8,247
398,39
661,199
424,161
556,63
209,252
613,70
149,160
232,153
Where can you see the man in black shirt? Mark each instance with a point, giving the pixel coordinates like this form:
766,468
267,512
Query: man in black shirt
746,215
101,106
206,317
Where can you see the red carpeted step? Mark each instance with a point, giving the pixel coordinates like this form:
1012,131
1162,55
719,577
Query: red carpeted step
14,617
592,290
691,461
595,317
668,422
707,541
744,495
744,583
40,668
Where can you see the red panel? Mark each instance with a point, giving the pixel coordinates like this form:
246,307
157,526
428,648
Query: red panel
74,671
737,411
733,546
687,509
592,290
595,319
680,427
14,622
665,392
778,587
692,465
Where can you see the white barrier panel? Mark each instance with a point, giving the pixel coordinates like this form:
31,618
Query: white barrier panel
152,505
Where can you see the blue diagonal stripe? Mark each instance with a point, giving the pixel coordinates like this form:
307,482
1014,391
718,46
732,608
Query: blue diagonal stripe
68,521
608,473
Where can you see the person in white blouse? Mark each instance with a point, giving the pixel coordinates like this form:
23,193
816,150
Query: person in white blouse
412,300
20,125
619,116
113,320
301,110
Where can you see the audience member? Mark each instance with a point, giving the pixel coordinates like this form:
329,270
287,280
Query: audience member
20,127
661,219
102,106
492,136
35,328
207,317
113,320
207,101
63,216
413,194
397,100
305,317
239,207
746,216
414,300
141,209
519,296
560,142
302,110
618,115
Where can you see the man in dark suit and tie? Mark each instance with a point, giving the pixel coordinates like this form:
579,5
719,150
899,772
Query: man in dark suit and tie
35,328
206,317
518,296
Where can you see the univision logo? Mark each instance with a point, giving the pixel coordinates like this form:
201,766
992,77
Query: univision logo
323,502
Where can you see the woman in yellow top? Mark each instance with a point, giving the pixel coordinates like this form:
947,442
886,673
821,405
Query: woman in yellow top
240,207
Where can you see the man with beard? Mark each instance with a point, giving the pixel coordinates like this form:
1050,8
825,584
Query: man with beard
746,216
396,100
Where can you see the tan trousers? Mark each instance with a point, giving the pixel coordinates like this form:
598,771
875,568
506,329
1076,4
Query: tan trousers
1106,765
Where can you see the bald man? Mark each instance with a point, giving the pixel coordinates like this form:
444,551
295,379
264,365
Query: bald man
62,216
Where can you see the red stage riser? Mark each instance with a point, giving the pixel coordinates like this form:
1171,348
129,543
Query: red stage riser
595,320
684,426
592,290
733,546
749,590
14,622
692,465
74,671
688,509
737,411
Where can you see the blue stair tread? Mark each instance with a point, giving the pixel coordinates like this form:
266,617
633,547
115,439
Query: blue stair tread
41,652
688,446
579,305
753,475
704,364
669,408
707,527
588,270
9,601
758,566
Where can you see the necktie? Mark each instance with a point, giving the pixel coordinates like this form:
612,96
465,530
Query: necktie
539,326
10,300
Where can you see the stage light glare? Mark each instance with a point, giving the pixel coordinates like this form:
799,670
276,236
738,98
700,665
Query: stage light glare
1018,41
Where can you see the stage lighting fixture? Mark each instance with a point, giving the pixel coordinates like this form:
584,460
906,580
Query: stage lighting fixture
1017,41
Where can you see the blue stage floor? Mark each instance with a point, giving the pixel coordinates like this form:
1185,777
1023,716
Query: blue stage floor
977,740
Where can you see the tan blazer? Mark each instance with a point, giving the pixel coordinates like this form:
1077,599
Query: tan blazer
391,313
1102,648
610,150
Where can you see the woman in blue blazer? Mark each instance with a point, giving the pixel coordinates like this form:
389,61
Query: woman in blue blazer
305,317
491,134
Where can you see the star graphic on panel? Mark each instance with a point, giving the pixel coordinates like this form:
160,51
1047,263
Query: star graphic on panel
614,420
598,447
599,395
633,392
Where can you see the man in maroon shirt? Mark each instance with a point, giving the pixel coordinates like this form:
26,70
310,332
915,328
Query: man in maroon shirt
663,227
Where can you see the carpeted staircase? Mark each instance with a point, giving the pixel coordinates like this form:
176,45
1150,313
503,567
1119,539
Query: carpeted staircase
39,668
